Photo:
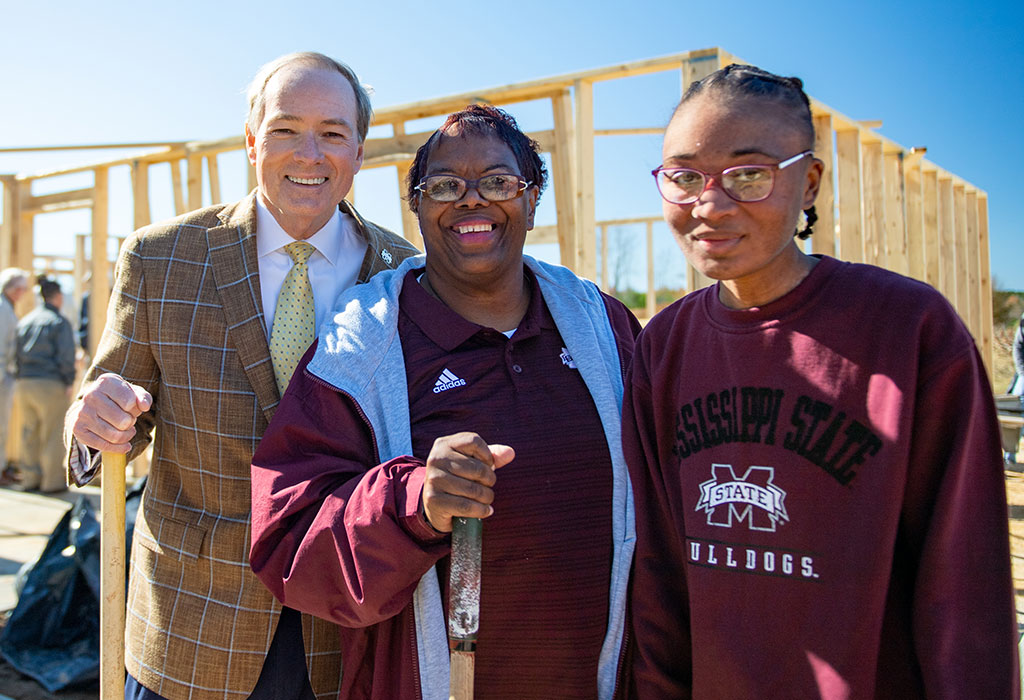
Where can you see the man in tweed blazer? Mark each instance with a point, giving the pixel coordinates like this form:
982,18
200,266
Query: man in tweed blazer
185,353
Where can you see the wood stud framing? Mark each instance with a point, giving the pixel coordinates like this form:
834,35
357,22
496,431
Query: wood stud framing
879,202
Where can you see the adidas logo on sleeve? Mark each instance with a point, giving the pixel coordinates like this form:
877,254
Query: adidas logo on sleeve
447,381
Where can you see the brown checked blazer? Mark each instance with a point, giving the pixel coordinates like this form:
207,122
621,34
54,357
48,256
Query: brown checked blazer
186,322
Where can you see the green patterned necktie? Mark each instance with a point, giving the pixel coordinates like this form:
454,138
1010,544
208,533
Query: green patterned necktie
294,317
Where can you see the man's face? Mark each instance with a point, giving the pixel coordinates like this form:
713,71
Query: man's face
306,149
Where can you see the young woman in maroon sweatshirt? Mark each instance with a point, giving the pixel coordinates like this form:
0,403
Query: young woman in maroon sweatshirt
813,445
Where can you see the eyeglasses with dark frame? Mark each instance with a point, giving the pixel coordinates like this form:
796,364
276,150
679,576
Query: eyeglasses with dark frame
743,183
499,187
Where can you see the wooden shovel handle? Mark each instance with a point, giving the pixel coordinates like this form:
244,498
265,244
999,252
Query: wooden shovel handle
462,675
112,572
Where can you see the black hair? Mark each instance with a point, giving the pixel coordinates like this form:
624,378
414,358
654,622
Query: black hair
744,81
48,288
482,120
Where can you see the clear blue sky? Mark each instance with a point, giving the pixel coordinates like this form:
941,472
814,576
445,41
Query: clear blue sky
939,74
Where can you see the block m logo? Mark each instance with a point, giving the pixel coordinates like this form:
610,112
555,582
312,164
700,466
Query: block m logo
752,497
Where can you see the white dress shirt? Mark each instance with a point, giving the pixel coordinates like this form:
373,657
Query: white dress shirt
333,268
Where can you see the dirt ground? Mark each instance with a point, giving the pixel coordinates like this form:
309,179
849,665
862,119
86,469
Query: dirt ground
14,685
1015,499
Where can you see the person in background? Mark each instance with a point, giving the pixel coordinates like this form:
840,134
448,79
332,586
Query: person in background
476,382
1016,386
821,509
13,285
45,360
1018,348
209,314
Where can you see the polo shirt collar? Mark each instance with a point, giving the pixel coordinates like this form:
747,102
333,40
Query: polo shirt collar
448,330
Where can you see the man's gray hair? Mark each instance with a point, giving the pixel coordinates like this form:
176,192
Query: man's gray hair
11,276
258,86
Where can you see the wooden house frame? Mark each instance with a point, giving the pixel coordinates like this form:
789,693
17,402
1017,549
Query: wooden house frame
880,202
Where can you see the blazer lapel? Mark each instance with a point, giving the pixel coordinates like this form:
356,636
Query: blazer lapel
235,263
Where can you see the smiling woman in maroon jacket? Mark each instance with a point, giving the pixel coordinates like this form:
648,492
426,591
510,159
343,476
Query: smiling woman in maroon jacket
425,383
813,445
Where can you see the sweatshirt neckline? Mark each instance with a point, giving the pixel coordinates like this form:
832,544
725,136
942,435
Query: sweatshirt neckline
788,305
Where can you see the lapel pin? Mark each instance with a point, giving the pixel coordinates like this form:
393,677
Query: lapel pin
385,254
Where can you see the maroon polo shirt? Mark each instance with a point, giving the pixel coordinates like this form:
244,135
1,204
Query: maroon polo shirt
547,548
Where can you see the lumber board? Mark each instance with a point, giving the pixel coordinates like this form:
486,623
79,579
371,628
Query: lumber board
986,342
213,173
974,318
563,166
915,220
8,226
963,298
194,188
585,263
824,238
100,291
57,201
851,222
930,223
874,202
947,250
140,194
896,253
177,188
410,222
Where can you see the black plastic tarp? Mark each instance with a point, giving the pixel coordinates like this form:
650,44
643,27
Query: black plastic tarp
53,633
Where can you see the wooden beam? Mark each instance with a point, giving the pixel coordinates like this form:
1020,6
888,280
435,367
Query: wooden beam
80,269
963,298
915,221
585,263
603,228
971,244
540,235
851,226
896,253
563,166
540,89
410,222
947,250
250,176
22,251
930,221
195,181
99,293
140,195
58,201
401,146
213,172
9,228
176,187
161,156
91,147
824,238
635,131
874,202
986,342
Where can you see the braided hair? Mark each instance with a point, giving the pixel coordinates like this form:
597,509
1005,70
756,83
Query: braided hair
740,81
